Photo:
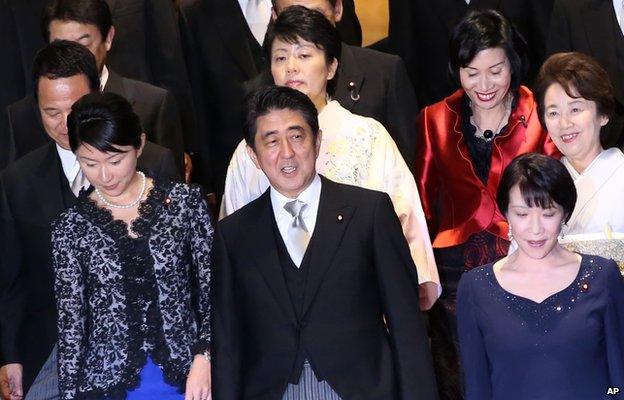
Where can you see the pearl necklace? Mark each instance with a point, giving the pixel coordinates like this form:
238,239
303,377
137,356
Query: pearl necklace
134,203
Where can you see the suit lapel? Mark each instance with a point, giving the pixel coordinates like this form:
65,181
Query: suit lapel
47,184
264,250
350,79
332,220
237,36
115,84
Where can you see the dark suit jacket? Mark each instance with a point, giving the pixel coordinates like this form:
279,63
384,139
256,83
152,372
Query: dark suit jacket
33,192
349,26
221,53
360,272
148,48
589,26
376,85
154,106
18,47
420,30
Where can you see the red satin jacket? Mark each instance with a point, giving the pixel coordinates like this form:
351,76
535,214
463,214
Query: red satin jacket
456,202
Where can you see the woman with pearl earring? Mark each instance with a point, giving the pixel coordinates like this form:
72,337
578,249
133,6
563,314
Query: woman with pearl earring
532,323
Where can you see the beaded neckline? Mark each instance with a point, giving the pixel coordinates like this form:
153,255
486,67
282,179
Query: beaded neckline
567,289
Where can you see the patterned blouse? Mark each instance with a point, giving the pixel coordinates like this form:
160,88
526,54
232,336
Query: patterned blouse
121,298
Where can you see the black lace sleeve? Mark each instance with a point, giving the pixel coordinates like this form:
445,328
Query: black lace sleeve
202,234
69,288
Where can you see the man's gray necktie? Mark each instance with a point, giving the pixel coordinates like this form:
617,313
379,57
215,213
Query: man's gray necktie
79,182
297,237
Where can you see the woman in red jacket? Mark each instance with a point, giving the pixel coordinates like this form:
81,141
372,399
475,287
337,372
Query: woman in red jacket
465,142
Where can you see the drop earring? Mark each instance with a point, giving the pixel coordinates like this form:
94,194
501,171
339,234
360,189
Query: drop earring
510,234
562,231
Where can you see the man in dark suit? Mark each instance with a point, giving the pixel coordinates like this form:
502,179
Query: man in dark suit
368,82
89,22
34,190
148,48
593,27
315,295
420,30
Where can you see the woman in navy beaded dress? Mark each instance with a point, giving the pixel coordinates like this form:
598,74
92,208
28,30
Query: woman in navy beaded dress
543,323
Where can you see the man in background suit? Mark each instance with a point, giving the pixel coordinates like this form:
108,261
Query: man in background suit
315,295
594,27
368,82
148,48
420,30
89,22
34,190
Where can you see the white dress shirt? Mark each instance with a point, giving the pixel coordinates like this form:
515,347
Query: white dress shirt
103,78
310,196
69,162
618,7
357,151
268,6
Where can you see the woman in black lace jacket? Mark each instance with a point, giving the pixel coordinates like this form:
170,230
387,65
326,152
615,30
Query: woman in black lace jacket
132,265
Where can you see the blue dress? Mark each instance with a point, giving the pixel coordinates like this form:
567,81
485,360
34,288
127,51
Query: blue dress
570,346
153,385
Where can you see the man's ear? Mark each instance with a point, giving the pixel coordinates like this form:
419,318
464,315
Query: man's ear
108,40
252,154
338,11
143,140
319,140
333,67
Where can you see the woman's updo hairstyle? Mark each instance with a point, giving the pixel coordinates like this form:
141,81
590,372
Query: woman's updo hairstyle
103,120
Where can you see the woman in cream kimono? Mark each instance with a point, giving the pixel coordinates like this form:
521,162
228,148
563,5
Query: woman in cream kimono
576,99
304,50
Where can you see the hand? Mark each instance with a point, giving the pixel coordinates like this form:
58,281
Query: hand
11,382
198,382
188,167
427,295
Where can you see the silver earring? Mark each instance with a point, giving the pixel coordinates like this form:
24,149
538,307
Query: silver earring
510,234
562,230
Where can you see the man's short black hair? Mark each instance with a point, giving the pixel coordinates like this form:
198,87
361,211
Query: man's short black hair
90,12
103,120
486,29
542,180
64,59
297,23
263,100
